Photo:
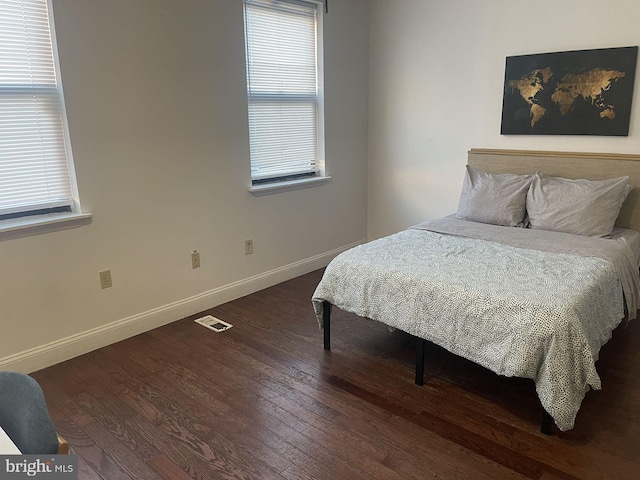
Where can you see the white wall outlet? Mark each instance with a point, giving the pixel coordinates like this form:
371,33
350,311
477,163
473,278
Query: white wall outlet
195,259
248,247
105,279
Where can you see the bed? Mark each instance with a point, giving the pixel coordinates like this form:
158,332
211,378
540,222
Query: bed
535,302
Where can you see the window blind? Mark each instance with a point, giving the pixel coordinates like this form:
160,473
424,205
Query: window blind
282,82
34,170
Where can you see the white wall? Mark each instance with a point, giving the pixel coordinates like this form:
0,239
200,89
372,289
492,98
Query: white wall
436,81
156,100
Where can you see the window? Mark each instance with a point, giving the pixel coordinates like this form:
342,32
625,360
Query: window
36,174
284,86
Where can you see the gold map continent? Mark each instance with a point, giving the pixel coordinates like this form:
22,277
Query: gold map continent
528,86
589,85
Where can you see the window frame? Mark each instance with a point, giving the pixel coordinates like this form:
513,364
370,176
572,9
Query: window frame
53,216
294,179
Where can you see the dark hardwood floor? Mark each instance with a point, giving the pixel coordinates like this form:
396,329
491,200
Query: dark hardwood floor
264,400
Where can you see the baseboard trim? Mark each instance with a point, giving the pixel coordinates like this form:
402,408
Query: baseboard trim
60,350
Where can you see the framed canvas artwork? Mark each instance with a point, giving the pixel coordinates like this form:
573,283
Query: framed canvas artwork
585,92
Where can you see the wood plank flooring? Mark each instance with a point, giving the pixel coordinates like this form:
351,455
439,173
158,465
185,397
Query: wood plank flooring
264,400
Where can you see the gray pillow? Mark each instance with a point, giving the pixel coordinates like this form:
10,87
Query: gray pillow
498,199
581,207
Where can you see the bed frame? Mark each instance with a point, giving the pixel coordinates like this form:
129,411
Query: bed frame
591,166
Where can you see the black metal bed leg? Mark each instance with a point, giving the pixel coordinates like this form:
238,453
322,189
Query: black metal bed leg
420,346
546,424
326,324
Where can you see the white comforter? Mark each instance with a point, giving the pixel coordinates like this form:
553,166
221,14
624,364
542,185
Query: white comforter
498,299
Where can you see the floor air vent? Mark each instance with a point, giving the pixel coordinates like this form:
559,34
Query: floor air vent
213,323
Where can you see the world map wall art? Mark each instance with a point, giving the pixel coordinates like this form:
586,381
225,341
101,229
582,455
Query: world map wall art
585,92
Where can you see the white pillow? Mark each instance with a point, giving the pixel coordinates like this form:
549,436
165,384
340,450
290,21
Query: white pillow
581,207
498,199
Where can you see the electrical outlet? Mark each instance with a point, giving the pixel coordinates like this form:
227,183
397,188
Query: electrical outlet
105,279
195,259
248,247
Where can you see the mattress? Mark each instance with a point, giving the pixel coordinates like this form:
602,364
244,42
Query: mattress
526,303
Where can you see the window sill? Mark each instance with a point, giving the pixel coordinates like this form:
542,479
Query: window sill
269,188
23,227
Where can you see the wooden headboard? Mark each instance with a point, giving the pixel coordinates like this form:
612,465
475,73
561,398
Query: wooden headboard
591,166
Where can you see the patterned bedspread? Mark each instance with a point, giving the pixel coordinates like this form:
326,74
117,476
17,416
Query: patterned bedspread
518,311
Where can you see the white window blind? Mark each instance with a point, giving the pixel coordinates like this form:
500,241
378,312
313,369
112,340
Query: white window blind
34,170
283,88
